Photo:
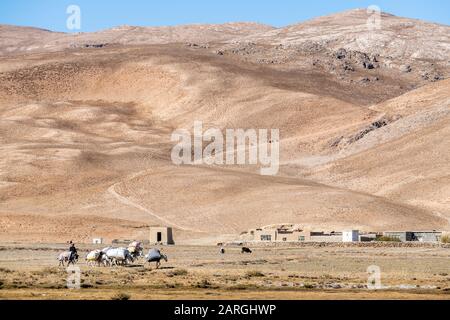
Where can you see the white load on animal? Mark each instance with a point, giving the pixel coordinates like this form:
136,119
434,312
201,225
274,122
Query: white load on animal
107,262
119,256
136,250
155,255
94,257
135,244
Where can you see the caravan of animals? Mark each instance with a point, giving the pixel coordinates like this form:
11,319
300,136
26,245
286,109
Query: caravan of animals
112,256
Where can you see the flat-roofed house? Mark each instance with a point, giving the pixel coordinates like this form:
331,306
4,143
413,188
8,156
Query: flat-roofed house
403,236
421,236
283,233
427,236
268,235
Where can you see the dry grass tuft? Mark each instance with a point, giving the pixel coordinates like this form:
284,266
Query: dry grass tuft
177,273
254,273
121,296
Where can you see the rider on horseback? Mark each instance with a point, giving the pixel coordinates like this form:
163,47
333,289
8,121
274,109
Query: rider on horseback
73,252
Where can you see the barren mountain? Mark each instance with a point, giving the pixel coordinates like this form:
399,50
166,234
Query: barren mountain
21,40
86,122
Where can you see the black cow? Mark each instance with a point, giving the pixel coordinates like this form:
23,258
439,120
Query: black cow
246,250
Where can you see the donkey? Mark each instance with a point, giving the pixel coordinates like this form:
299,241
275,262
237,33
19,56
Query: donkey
155,255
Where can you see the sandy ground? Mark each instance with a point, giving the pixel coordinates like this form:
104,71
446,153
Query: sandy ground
199,272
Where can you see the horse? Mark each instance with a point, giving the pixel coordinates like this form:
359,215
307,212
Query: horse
67,257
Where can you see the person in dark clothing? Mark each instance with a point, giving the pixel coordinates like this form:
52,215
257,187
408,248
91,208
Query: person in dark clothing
73,252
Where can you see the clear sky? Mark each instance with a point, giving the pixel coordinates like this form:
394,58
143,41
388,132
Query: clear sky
102,14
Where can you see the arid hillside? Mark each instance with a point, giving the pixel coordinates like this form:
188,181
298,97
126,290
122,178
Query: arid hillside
86,123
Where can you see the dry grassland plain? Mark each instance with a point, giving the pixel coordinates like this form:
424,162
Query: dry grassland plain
193,272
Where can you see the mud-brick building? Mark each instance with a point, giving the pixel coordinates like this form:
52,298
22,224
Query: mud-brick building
282,233
292,233
161,235
420,236
427,236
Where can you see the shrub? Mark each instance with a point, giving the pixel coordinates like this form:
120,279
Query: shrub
52,286
177,272
121,296
445,238
254,273
241,287
204,284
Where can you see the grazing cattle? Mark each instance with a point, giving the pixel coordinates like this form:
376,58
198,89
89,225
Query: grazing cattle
67,257
246,250
154,255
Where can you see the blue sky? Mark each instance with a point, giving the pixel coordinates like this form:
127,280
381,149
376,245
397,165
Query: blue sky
102,14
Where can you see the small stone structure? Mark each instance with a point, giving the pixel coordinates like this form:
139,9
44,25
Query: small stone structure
161,235
97,240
